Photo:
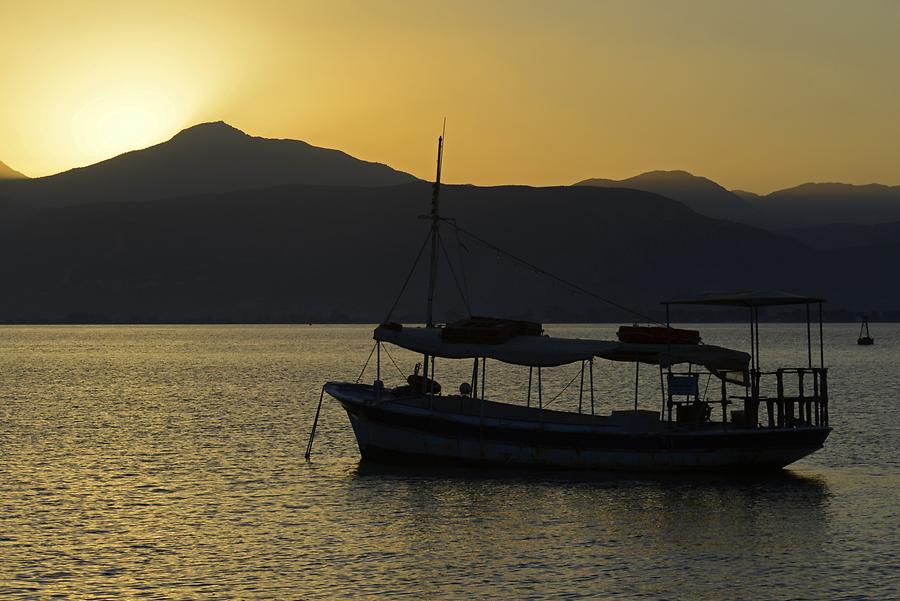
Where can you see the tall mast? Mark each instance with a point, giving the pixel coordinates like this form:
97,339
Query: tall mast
435,230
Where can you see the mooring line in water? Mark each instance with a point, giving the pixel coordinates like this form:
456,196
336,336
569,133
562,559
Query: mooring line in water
312,433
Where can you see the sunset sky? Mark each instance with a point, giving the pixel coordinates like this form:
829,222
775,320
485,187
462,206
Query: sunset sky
756,95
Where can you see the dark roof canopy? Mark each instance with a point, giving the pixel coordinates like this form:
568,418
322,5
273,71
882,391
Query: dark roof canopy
747,298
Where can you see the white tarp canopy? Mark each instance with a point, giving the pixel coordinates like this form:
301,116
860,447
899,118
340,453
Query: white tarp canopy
543,351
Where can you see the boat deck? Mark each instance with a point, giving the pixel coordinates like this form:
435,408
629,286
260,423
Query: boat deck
461,406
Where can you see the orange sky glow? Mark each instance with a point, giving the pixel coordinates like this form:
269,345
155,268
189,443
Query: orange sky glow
755,95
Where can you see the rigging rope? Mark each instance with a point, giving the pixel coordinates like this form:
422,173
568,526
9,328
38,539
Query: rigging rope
552,276
408,277
366,364
462,265
566,387
399,371
459,289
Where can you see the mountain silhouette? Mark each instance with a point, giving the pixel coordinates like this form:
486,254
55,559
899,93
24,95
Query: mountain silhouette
745,195
699,193
215,225
836,236
7,172
815,204
326,253
205,158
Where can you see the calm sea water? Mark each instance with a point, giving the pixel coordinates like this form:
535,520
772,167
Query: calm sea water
167,463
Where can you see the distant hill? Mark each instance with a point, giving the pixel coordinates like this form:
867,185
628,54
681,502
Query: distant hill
819,204
7,172
745,195
206,158
699,193
326,253
803,206
846,235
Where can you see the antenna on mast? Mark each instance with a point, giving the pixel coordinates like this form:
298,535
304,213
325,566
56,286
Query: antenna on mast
435,228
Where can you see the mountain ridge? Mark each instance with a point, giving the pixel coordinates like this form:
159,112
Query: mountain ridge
211,157
699,193
7,173
810,204
296,251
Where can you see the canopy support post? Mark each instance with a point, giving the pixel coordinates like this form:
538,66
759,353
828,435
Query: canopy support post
540,401
808,337
581,387
528,400
431,384
756,318
483,368
637,371
591,368
540,391
662,393
475,379
821,339
378,383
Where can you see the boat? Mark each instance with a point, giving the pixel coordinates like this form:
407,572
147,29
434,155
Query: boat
866,340
755,419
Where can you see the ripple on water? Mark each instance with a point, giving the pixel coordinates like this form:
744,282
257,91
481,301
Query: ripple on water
167,462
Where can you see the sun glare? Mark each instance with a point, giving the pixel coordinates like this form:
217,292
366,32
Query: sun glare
118,121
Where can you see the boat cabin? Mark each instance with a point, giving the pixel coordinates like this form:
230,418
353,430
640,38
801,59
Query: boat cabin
746,396
787,396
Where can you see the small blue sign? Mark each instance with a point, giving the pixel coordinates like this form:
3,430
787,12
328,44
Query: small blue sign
683,385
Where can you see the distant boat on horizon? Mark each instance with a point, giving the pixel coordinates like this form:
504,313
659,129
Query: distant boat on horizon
866,340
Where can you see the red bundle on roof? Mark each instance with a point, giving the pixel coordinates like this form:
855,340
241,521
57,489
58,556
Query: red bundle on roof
488,330
657,335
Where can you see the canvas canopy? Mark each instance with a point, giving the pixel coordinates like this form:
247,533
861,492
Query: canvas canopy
543,351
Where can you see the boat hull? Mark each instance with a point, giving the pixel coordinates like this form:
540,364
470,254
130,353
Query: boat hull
405,433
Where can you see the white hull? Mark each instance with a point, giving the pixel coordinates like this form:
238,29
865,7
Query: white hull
405,432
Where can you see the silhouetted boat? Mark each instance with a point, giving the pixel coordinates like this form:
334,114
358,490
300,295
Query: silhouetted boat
866,340
416,422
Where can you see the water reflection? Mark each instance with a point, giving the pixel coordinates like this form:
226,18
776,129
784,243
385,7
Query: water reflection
613,531
168,463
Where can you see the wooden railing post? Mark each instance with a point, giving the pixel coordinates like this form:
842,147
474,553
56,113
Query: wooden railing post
779,375
816,396
724,402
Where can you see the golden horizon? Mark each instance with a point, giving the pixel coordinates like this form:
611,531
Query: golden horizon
755,97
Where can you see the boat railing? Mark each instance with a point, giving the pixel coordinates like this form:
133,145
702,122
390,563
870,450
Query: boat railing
801,397
790,397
